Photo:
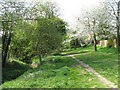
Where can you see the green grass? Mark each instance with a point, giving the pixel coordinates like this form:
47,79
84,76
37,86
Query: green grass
56,72
61,71
13,70
104,61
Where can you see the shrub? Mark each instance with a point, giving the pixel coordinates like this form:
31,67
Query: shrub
74,43
110,43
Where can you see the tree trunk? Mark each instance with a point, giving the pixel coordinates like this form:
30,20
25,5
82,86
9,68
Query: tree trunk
118,27
94,35
118,38
95,42
5,47
40,59
75,44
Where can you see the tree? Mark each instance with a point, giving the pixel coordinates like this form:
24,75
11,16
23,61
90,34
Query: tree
10,11
97,23
47,37
90,24
30,31
50,30
21,47
114,11
48,10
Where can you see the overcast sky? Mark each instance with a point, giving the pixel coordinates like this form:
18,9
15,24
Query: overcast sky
71,9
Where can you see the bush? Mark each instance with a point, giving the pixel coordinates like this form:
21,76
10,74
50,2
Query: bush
110,43
74,43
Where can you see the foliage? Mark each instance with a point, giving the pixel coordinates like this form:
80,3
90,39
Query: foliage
20,47
48,9
75,43
35,33
111,43
10,13
47,37
98,24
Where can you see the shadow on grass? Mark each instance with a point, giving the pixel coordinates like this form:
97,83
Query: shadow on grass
13,70
67,50
70,53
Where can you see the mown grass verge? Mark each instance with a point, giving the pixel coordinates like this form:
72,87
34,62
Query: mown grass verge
104,61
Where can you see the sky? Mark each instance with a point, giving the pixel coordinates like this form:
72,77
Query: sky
71,9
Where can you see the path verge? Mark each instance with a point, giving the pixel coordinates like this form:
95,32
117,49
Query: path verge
91,70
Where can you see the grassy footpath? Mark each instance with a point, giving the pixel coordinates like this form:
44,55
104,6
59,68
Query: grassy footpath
56,72
104,61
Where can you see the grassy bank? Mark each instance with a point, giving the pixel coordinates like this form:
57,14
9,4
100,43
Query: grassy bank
56,72
61,71
13,70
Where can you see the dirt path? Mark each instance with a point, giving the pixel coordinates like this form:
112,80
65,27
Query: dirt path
91,70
